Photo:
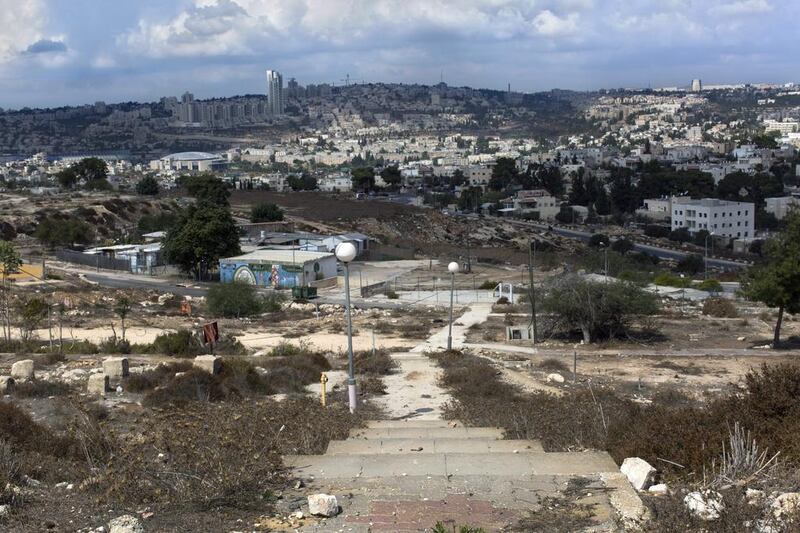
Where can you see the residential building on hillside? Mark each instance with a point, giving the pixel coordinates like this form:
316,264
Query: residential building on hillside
781,205
720,217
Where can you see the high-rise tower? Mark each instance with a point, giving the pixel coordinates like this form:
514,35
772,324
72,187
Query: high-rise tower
275,92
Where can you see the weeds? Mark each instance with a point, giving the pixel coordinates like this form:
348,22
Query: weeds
720,308
378,364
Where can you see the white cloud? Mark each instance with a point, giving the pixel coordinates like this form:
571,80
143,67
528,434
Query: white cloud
548,23
219,27
745,7
22,23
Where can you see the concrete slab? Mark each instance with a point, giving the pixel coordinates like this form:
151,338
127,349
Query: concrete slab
501,464
413,423
426,446
426,433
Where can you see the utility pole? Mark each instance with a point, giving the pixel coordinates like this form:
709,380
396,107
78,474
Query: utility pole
531,291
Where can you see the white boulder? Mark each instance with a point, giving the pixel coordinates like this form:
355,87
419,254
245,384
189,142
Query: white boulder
22,370
659,490
323,505
116,367
209,363
638,471
125,524
555,378
705,505
785,504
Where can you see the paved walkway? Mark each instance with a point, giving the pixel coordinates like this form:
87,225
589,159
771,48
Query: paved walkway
476,314
409,472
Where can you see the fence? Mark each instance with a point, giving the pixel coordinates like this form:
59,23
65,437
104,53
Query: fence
93,260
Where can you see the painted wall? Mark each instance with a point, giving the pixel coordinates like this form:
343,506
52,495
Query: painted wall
276,275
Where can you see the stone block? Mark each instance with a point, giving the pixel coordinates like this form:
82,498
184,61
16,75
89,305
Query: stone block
705,505
209,363
22,370
98,384
638,471
116,367
125,524
6,384
323,505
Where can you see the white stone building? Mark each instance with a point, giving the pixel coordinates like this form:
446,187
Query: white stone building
720,217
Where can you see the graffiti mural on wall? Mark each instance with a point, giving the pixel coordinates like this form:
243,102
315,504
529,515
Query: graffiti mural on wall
264,275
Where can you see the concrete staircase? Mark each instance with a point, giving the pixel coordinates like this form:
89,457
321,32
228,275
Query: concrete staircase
405,475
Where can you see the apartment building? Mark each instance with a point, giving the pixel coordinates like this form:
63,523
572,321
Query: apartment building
720,217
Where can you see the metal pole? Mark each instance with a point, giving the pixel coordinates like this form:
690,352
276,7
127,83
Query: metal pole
351,381
450,327
531,291
574,366
705,259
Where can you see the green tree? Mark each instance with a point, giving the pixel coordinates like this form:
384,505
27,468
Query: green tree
203,233
302,183
67,178
622,246
266,212
31,313
598,239
504,174
391,176
206,187
122,308
10,262
691,264
363,178
775,282
52,232
596,308
148,186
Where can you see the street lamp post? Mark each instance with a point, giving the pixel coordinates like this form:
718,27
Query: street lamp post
346,252
705,256
452,268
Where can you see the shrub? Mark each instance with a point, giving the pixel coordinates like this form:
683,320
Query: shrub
378,364
680,235
266,212
503,300
622,246
691,264
552,364
41,389
720,308
390,294
150,379
710,285
488,285
180,343
234,300
598,239
238,464
148,186
656,231
668,279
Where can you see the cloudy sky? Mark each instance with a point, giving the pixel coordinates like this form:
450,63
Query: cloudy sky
57,52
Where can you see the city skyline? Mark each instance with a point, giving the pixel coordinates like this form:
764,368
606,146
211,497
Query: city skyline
217,48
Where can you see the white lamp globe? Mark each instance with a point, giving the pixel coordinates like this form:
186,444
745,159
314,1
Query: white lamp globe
453,267
345,252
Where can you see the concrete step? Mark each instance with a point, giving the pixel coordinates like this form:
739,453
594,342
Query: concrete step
413,423
426,433
451,464
427,446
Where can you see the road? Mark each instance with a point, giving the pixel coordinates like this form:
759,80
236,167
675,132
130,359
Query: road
122,281
661,253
